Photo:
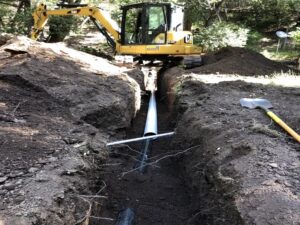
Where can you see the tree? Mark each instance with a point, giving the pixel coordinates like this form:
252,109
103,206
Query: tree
15,16
262,14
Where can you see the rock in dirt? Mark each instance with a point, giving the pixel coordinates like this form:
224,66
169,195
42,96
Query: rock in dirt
3,179
9,186
273,165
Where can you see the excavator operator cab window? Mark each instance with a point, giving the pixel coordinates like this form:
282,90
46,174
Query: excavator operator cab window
145,24
157,26
133,26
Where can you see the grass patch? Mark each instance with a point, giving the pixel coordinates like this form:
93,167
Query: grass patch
255,40
267,46
286,54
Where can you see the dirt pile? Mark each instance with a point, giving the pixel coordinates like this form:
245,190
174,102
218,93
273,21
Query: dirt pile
239,61
93,88
243,169
51,100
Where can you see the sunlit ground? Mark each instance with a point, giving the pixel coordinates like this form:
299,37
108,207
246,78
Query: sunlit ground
278,79
282,54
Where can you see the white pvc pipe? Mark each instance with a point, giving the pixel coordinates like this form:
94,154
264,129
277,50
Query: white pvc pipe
151,122
140,138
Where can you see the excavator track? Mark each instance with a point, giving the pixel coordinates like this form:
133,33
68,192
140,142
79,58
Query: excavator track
189,62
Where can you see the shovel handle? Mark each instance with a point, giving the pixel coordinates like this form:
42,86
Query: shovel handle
283,125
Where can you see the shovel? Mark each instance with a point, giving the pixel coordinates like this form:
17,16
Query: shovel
264,104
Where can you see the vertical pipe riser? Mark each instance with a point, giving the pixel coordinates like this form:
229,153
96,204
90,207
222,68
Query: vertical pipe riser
151,122
126,217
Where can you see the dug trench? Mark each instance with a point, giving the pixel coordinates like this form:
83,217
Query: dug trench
175,187
224,165
158,195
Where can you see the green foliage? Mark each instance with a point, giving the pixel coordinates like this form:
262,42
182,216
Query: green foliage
21,23
102,50
5,14
18,23
60,27
4,11
265,15
295,35
268,14
221,34
255,40
254,37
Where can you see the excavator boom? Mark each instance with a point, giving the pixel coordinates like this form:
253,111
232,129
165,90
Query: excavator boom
41,15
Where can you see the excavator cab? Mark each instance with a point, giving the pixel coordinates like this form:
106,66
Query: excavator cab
146,23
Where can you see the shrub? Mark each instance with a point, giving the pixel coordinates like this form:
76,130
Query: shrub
221,34
59,27
18,23
4,15
254,38
23,22
295,35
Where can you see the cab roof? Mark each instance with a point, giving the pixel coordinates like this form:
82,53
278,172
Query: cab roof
145,4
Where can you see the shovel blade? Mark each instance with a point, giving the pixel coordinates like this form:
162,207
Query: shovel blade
253,103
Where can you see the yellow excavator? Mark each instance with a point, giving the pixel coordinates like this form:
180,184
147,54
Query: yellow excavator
148,31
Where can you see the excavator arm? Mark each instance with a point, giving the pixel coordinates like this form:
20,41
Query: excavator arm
107,26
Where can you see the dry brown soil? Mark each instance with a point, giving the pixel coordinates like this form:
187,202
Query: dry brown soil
225,164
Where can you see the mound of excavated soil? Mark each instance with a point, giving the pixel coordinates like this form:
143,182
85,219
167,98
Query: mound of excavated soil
244,168
239,61
51,100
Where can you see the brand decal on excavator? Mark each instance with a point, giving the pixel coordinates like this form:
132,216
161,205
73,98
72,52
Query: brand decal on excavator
154,48
187,38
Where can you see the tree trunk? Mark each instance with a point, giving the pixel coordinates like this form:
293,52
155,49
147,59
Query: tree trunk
21,4
22,7
217,8
214,12
2,25
187,22
27,4
187,25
